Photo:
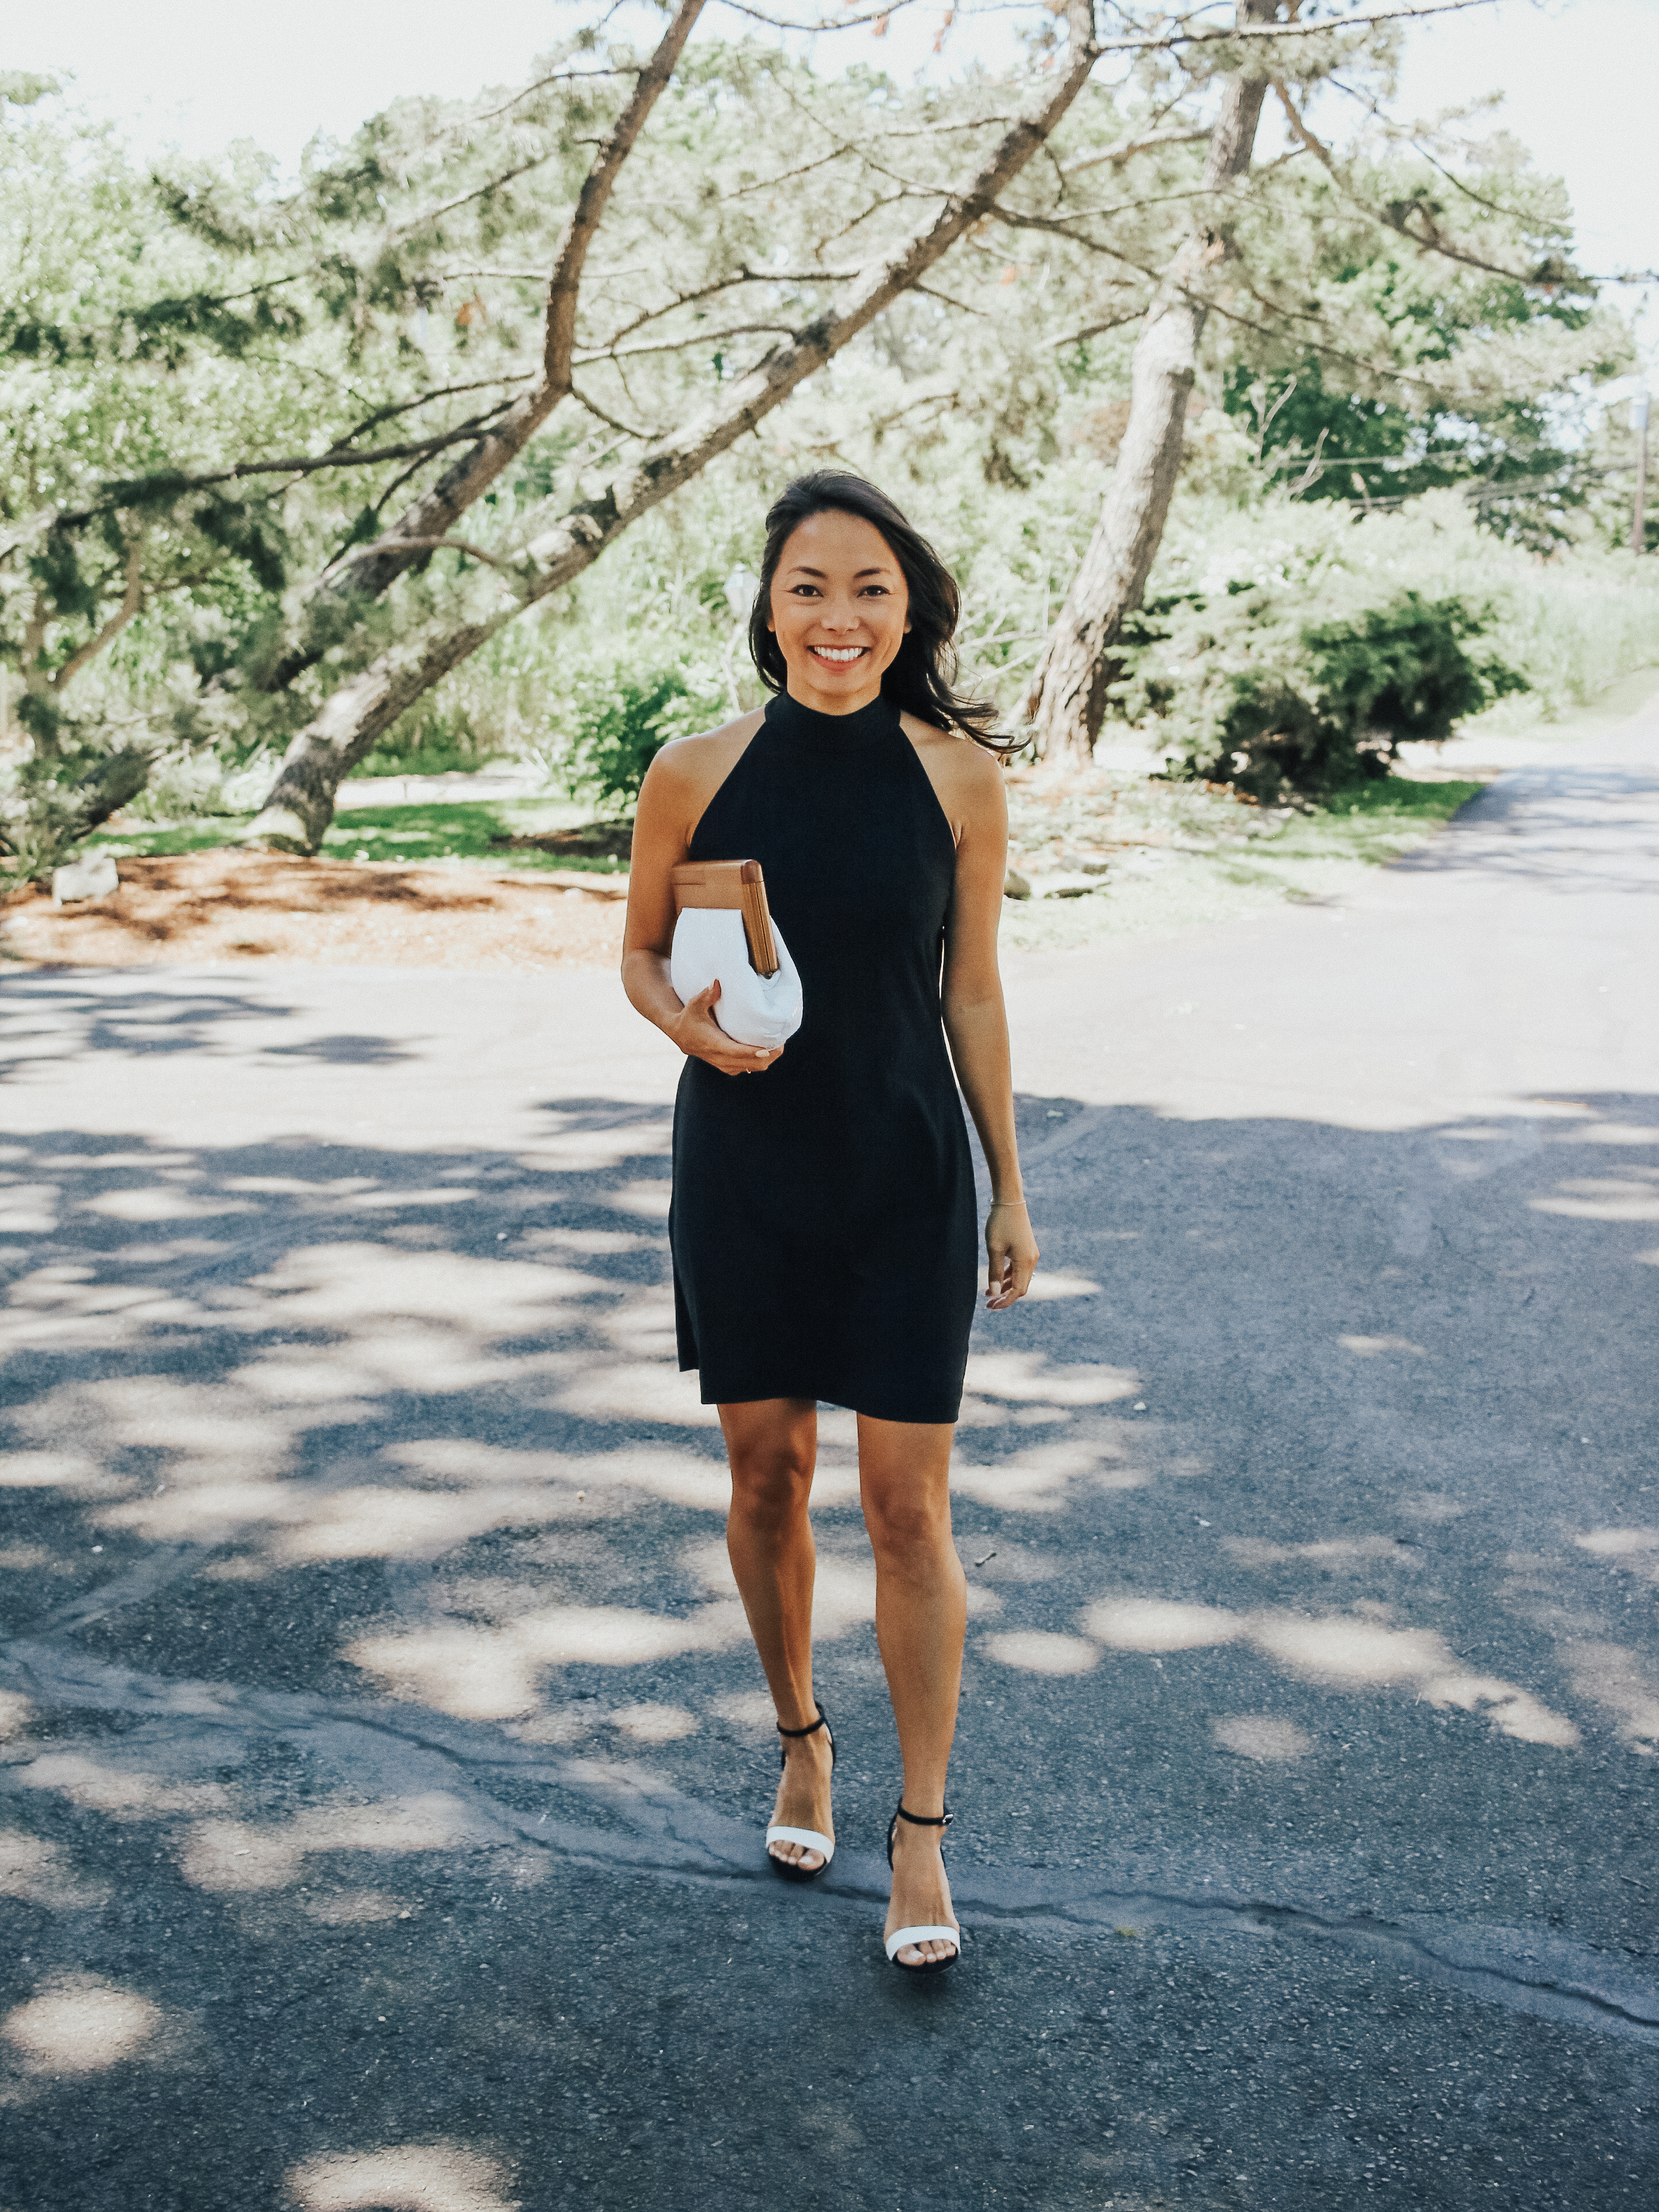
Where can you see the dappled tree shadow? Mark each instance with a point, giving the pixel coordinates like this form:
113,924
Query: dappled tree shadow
83,1019
316,1367
363,1575
1577,828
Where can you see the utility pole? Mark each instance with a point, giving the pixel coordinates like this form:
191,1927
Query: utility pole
1639,520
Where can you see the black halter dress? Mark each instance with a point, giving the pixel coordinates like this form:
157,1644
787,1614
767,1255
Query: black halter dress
824,1221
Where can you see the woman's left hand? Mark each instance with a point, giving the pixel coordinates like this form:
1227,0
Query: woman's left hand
1011,1252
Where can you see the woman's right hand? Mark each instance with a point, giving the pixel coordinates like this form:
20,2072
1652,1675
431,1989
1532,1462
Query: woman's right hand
700,1036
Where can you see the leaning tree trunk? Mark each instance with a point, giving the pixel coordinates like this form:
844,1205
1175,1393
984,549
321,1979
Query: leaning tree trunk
1068,700
372,570
297,813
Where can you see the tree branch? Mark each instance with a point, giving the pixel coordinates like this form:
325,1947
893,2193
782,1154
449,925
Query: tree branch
454,544
1246,35
559,76
1129,147
1396,216
836,153
745,275
1093,330
1069,691
305,465
877,14
131,604
559,339
301,802
645,437
680,345
35,642
407,406
932,292
1414,139
429,215
466,479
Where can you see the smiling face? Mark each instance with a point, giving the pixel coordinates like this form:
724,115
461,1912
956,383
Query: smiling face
839,610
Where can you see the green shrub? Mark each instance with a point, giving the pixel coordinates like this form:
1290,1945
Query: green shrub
1399,673
1253,696
622,721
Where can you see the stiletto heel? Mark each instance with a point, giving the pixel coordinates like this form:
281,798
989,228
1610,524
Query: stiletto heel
903,1938
790,1869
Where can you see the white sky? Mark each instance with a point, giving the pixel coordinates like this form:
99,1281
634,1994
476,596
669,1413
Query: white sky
1580,77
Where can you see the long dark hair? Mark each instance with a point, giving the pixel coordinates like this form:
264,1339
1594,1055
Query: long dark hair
922,677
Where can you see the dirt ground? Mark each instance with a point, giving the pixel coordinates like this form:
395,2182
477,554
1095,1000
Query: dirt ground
231,905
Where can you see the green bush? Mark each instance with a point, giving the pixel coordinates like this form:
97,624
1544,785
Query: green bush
1399,673
1254,696
622,722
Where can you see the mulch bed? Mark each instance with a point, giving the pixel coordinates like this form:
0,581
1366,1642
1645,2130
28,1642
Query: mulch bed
231,905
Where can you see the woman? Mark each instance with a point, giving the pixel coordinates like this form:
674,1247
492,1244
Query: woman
823,1220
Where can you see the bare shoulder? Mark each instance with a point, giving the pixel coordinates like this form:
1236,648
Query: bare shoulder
710,753
693,769
967,780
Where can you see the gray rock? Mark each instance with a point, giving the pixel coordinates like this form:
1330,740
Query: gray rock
1014,886
94,877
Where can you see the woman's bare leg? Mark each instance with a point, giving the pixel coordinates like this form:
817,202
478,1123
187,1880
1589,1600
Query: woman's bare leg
772,1444
922,1618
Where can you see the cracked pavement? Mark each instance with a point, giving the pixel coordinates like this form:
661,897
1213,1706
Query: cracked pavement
385,1762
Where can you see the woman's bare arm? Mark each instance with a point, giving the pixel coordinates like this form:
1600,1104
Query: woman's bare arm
969,786
678,785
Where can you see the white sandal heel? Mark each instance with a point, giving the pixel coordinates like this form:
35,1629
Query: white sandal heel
789,1869
903,1938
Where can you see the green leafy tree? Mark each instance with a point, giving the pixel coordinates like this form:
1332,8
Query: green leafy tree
428,303
1454,329
1408,323
305,472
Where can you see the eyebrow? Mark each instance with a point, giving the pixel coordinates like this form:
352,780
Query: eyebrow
799,568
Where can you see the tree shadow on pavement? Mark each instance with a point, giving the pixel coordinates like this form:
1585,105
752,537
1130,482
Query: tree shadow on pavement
1576,827
387,1756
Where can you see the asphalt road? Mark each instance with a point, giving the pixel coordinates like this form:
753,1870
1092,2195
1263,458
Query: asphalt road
386,1762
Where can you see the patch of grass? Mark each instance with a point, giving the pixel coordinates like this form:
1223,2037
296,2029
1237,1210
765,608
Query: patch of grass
1178,855
148,841
1374,822
451,831
436,759
459,829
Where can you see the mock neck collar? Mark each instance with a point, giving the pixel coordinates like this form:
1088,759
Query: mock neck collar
830,734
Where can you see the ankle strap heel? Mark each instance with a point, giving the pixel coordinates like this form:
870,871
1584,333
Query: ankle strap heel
915,1820
812,1728
810,1838
904,1939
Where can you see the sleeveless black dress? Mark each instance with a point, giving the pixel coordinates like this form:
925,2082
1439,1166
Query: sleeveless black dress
824,1221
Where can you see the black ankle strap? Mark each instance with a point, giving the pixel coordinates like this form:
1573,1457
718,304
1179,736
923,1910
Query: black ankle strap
920,1820
811,1730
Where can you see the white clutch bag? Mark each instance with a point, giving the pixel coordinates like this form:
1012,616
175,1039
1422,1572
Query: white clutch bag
724,933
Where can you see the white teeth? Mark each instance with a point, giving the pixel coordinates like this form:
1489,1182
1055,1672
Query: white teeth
839,652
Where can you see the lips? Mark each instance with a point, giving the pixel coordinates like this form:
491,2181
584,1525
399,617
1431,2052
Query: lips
838,656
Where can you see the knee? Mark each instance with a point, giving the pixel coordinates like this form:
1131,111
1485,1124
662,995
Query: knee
907,1527
769,1485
